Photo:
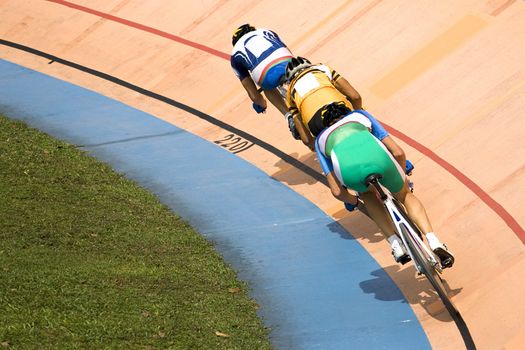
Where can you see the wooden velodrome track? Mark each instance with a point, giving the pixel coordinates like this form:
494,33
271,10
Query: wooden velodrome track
447,78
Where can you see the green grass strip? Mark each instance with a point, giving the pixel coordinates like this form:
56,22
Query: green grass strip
89,260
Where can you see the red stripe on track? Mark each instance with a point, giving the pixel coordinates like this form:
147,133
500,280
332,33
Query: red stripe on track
144,28
478,191
502,8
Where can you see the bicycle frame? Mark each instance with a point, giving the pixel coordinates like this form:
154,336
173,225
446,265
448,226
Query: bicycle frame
404,227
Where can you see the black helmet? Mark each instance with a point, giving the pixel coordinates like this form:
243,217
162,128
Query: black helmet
295,65
239,32
334,111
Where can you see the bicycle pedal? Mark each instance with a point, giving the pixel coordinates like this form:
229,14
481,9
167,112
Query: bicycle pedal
446,258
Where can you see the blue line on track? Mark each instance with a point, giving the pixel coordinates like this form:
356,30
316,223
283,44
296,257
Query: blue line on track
317,287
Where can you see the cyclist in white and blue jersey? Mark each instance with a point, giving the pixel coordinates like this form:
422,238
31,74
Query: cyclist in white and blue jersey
259,58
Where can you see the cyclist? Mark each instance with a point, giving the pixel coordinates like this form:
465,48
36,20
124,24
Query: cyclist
259,57
314,86
347,149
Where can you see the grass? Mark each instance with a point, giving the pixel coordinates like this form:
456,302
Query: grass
89,260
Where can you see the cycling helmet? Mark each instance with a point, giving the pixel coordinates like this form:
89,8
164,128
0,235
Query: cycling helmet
295,65
334,111
239,32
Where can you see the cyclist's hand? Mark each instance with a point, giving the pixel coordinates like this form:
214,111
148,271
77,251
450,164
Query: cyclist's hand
409,167
259,108
408,170
291,126
352,207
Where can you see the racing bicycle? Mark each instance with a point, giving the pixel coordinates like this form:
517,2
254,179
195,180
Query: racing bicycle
424,260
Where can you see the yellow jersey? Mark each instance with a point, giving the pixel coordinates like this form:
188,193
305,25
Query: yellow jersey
309,91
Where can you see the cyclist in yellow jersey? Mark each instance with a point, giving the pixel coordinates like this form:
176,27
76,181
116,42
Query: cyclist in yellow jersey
318,98
312,87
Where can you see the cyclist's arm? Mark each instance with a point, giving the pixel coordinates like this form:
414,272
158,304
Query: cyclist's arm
305,135
252,91
396,150
338,190
349,91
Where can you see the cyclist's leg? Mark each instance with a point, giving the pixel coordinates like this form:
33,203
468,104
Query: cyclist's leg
376,210
416,211
378,213
270,83
338,191
395,180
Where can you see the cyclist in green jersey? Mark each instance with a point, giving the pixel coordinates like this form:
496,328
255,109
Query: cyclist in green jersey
348,153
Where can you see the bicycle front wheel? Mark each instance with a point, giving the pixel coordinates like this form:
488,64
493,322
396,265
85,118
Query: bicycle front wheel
422,261
424,265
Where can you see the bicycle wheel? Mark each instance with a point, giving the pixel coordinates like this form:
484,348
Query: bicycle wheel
422,260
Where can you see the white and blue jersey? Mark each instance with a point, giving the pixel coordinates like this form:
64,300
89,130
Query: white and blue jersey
261,55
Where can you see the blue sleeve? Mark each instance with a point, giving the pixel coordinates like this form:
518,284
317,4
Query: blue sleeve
239,67
326,164
377,129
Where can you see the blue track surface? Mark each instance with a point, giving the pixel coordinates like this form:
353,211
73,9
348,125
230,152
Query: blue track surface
317,287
